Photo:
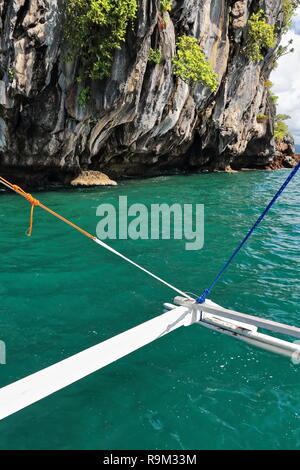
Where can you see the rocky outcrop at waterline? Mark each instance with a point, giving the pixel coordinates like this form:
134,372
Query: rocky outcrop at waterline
142,120
92,178
286,147
285,156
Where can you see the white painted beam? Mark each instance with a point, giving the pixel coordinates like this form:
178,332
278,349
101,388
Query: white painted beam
211,307
24,392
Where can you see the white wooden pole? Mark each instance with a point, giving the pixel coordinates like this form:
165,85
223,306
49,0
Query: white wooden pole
210,307
24,392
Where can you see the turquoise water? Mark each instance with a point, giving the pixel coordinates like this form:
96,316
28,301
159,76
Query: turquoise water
192,389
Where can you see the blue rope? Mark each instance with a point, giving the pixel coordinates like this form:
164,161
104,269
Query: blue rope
206,292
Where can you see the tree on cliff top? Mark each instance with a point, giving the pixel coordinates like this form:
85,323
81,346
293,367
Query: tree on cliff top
289,7
94,29
281,129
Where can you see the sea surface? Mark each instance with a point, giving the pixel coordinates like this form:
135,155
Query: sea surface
192,389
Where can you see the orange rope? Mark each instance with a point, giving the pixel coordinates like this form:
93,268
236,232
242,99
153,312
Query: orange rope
34,202
87,234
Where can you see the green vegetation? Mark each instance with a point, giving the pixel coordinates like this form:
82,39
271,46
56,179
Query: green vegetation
281,51
84,97
166,5
191,65
261,118
11,74
94,29
281,128
282,117
154,56
268,84
273,97
289,7
261,36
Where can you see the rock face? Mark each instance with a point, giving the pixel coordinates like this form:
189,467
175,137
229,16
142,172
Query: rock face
142,120
285,154
286,146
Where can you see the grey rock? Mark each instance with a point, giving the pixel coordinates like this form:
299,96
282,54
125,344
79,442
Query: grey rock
142,120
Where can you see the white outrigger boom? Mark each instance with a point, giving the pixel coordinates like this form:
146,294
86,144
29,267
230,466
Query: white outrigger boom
24,392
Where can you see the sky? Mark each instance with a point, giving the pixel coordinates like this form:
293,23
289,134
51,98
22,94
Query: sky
286,80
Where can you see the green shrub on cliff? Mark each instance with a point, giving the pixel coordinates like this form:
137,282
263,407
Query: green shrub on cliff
154,56
268,83
281,129
261,118
166,5
94,29
191,65
84,97
289,8
273,98
282,117
260,37
11,74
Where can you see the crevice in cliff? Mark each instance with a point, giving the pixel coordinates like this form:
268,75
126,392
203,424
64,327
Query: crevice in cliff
155,38
5,6
39,69
254,6
19,30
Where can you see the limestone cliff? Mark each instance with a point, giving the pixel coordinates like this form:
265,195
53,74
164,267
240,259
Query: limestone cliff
142,120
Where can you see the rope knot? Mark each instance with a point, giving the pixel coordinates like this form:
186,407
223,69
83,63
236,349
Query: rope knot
34,202
202,298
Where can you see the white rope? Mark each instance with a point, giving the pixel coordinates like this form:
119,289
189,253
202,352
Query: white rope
109,248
